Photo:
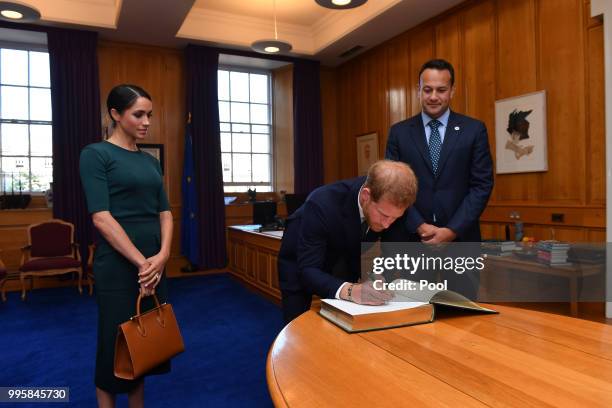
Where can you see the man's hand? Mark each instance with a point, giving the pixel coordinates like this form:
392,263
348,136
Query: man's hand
365,294
440,235
426,231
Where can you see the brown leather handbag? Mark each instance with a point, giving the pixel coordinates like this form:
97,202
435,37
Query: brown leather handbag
146,341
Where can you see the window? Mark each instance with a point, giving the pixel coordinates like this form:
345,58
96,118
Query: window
25,121
245,125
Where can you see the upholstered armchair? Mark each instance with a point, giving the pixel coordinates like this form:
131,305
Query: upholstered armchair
51,250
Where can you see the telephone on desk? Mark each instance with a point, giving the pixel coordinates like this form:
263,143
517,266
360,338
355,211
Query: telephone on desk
277,225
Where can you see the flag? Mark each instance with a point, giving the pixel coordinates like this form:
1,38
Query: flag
190,239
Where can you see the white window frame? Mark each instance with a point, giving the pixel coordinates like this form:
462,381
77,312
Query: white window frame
270,105
23,47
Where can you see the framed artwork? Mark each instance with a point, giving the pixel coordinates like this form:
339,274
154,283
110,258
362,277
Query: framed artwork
520,134
367,152
155,150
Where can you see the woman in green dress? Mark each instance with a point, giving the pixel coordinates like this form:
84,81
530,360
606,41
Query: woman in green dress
129,207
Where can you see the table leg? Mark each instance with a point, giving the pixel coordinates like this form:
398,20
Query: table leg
573,287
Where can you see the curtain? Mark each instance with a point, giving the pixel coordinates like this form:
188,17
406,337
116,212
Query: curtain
75,100
202,64
307,128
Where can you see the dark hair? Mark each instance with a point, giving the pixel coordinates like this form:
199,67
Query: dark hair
440,65
515,118
123,96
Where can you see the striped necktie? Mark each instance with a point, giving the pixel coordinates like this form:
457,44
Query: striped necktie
435,143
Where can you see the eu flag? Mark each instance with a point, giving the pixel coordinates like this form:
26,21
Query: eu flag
190,240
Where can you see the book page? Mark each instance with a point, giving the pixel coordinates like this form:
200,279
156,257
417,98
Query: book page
441,297
355,309
450,298
416,295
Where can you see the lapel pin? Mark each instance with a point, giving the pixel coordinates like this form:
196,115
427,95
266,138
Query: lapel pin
456,127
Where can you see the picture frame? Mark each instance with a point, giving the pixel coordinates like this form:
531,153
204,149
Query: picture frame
155,150
367,152
520,134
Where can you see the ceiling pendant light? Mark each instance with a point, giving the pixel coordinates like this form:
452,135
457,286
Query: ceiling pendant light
274,46
340,4
16,12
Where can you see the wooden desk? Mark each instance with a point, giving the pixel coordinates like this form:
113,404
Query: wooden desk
518,358
253,258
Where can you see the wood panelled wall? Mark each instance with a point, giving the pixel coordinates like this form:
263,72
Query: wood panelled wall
499,49
282,108
160,71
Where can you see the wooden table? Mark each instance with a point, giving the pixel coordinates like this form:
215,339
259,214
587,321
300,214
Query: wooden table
498,264
518,358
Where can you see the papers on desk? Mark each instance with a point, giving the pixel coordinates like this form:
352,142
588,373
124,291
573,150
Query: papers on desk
278,234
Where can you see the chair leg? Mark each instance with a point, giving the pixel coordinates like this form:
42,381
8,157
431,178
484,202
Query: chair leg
80,272
89,280
3,290
23,289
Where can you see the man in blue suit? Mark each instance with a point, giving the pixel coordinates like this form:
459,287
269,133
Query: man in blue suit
321,248
450,156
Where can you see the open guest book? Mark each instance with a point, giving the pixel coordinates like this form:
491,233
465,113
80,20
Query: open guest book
405,309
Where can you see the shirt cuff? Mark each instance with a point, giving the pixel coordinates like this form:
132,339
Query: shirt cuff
340,289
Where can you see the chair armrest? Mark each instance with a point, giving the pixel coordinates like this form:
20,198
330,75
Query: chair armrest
76,251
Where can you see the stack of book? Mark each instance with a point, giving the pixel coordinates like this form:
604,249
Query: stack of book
499,248
553,253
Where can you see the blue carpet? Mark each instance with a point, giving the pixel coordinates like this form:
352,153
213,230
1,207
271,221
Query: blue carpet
50,340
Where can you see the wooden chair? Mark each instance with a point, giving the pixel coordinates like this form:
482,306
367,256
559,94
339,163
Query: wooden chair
51,250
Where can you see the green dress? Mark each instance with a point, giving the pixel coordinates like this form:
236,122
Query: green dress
128,184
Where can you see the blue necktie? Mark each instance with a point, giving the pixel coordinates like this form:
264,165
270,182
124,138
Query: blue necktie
435,143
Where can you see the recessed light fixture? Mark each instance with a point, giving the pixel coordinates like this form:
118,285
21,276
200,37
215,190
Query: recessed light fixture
11,11
274,46
340,4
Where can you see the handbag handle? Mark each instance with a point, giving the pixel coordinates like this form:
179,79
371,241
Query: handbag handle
160,319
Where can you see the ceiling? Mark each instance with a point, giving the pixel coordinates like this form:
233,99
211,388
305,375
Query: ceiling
314,31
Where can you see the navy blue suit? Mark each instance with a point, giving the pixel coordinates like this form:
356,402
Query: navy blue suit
459,193
321,246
